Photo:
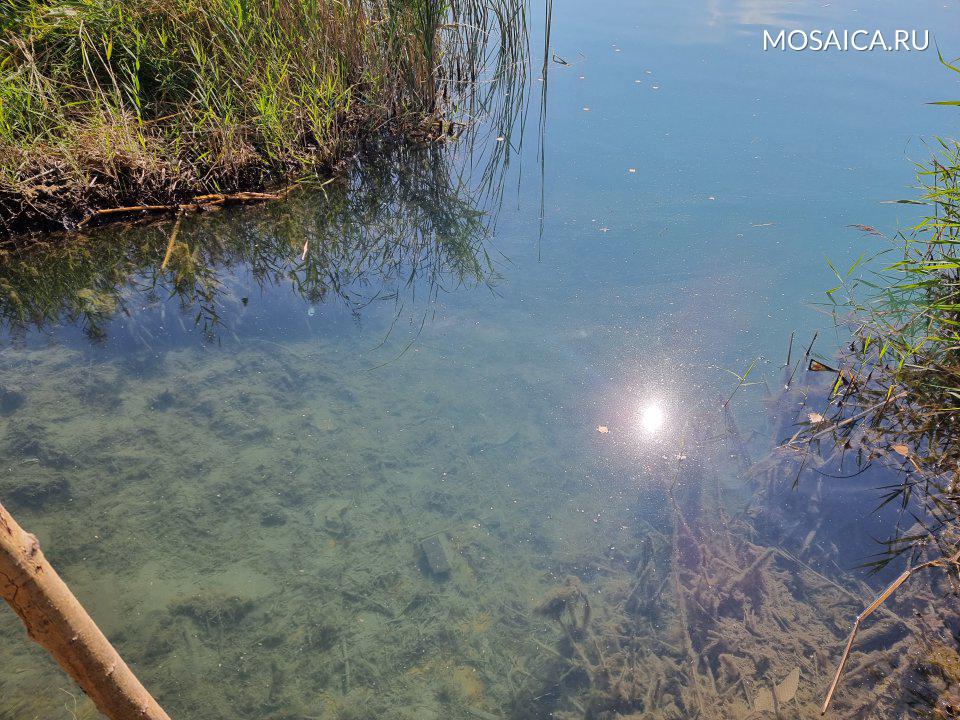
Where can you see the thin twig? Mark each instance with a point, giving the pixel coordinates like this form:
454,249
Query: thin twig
880,599
170,244
195,203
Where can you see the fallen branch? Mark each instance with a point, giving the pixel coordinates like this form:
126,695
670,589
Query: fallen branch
197,203
55,619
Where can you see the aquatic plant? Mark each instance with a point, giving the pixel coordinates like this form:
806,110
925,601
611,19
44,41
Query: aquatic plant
714,613
106,103
896,395
711,611
895,398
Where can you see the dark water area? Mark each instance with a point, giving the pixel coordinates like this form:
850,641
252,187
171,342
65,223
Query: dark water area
465,437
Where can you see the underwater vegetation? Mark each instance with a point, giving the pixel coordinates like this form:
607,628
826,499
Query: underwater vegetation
721,612
291,581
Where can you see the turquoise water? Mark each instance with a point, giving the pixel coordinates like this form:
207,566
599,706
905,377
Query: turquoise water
235,462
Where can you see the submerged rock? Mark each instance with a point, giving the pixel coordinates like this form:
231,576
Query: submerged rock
436,553
10,400
273,518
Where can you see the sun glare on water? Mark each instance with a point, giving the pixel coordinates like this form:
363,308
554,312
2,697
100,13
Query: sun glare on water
651,418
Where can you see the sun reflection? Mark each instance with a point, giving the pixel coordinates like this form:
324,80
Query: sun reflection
651,418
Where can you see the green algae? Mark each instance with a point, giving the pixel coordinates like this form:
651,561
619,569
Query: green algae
255,551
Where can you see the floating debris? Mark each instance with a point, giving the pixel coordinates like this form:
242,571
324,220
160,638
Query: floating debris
867,229
817,366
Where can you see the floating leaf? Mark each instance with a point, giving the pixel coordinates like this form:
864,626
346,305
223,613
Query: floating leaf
603,429
867,229
815,417
817,366
902,449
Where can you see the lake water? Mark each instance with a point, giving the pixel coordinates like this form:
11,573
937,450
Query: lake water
253,466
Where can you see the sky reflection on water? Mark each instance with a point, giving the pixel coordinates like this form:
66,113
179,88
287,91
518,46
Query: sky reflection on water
441,363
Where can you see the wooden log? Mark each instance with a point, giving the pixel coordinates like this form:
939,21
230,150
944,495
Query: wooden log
55,619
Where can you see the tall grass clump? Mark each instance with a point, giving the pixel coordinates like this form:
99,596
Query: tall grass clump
896,398
106,103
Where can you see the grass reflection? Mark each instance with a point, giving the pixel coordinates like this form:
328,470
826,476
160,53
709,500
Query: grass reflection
402,222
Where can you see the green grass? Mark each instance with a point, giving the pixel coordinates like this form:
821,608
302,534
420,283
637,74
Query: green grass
910,318
115,102
897,398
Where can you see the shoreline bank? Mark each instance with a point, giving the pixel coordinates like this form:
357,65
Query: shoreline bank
105,104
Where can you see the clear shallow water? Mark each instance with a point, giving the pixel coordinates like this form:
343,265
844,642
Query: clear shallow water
237,479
